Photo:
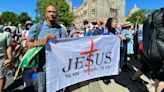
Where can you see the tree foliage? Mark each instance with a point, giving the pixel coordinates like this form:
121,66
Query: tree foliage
139,13
64,15
23,17
9,17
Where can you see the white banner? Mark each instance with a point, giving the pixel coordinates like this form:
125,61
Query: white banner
70,61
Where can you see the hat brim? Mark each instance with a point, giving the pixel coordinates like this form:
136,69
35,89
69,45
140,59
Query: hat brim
29,24
127,25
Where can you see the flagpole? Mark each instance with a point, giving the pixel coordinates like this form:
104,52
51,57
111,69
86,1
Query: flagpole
17,72
135,29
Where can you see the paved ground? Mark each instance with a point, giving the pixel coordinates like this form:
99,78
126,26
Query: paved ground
119,83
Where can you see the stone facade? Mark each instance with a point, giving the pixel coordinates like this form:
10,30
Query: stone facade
70,4
92,10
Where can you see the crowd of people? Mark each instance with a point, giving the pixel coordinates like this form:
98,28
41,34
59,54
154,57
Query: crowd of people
15,41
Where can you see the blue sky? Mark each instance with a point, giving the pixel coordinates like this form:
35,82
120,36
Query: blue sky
19,6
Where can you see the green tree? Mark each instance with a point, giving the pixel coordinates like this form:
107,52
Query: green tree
64,15
140,13
9,17
23,17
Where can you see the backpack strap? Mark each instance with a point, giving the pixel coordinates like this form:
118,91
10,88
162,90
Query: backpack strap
38,29
60,32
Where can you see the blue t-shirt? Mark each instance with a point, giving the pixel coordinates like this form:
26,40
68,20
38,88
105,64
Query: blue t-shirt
89,33
55,29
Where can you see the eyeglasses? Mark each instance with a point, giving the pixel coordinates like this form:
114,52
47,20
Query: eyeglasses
54,12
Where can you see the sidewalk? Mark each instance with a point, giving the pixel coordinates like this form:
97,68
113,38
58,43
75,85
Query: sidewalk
120,83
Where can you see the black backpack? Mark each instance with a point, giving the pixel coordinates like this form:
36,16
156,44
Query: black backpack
153,36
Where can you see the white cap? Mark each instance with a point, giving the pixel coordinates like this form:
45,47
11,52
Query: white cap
28,22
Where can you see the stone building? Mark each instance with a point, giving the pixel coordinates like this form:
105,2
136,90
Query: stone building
92,10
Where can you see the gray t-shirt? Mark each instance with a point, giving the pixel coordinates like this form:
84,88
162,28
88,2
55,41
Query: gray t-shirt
5,41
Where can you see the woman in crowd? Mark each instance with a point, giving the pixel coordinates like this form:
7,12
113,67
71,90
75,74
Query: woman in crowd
25,32
89,31
127,31
27,81
127,48
110,30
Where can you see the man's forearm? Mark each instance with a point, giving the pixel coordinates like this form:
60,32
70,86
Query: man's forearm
36,43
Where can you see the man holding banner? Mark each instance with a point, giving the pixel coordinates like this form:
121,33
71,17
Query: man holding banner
49,29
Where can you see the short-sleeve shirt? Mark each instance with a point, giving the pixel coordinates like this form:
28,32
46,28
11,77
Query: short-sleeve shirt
5,41
55,29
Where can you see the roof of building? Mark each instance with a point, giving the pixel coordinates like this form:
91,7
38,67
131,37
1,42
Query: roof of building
134,9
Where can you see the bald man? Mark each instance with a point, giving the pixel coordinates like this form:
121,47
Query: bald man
50,29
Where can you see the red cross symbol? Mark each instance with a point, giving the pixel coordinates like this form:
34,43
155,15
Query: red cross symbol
89,54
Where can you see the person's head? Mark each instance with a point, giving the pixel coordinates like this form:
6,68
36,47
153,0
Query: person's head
100,22
90,26
126,25
20,25
10,24
51,13
8,29
28,24
132,27
73,25
111,24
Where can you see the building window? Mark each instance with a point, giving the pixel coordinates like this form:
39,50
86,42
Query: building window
113,12
113,5
93,13
85,14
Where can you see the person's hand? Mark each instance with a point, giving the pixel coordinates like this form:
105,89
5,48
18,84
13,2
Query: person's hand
7,62
44,40
50,36
122,37
41,42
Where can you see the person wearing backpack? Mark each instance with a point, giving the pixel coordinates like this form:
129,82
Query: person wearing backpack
153,46
49,29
